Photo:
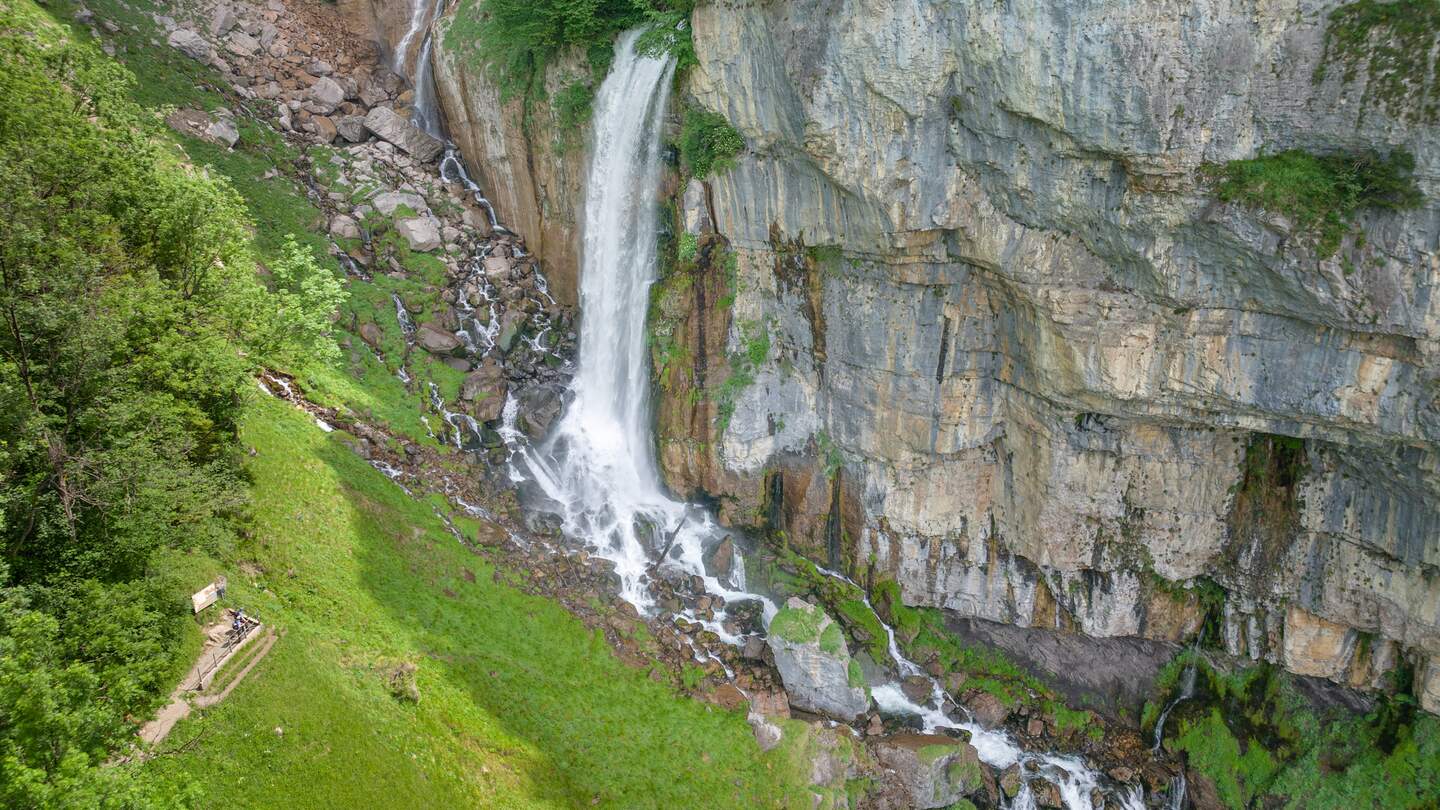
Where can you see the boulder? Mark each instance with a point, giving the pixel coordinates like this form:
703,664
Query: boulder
497,269
720,559
510,325
389,126
222,20
324,96
421,233
487,385
435,340
767,734
191,44
324,128
242,44
1010,780
223,131
344,226
1046,794
373,95
371,333
988,710
931,769
917,688
814,664
351,128
387,202
540,405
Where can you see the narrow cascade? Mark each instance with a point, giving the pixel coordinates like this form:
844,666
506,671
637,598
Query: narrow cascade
598,469
1187,691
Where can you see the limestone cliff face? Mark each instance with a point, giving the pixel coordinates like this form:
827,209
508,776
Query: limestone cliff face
1021,359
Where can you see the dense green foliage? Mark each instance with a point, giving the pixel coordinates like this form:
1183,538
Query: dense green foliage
1397,42
133,316
708,143
517,39
1262,745
1320,194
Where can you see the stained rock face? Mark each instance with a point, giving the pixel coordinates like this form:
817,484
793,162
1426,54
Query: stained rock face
934,770
1048,358
814,664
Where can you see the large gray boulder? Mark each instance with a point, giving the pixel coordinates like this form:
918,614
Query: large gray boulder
421,233
933,770
242,44
324,96
390,126
191,44
387,202
352,128
486,387
435,340
814,663
224,131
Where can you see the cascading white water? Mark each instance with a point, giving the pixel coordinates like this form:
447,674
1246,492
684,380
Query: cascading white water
426,113
598,467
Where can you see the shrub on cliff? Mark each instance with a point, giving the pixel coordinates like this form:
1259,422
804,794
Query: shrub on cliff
708,144
1320,194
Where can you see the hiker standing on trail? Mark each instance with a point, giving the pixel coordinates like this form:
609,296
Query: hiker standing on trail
238,624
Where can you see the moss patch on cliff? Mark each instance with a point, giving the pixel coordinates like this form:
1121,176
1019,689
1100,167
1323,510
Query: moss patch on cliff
1320,194
1252,735
1398,45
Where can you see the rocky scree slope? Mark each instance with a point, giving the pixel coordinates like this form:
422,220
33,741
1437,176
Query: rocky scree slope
1019,357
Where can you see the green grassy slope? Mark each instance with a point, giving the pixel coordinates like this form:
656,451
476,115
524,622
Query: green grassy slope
521,705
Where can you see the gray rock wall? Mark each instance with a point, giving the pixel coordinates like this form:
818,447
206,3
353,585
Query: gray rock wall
1047,346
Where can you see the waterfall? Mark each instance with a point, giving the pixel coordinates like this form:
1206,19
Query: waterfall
597,469
425,112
